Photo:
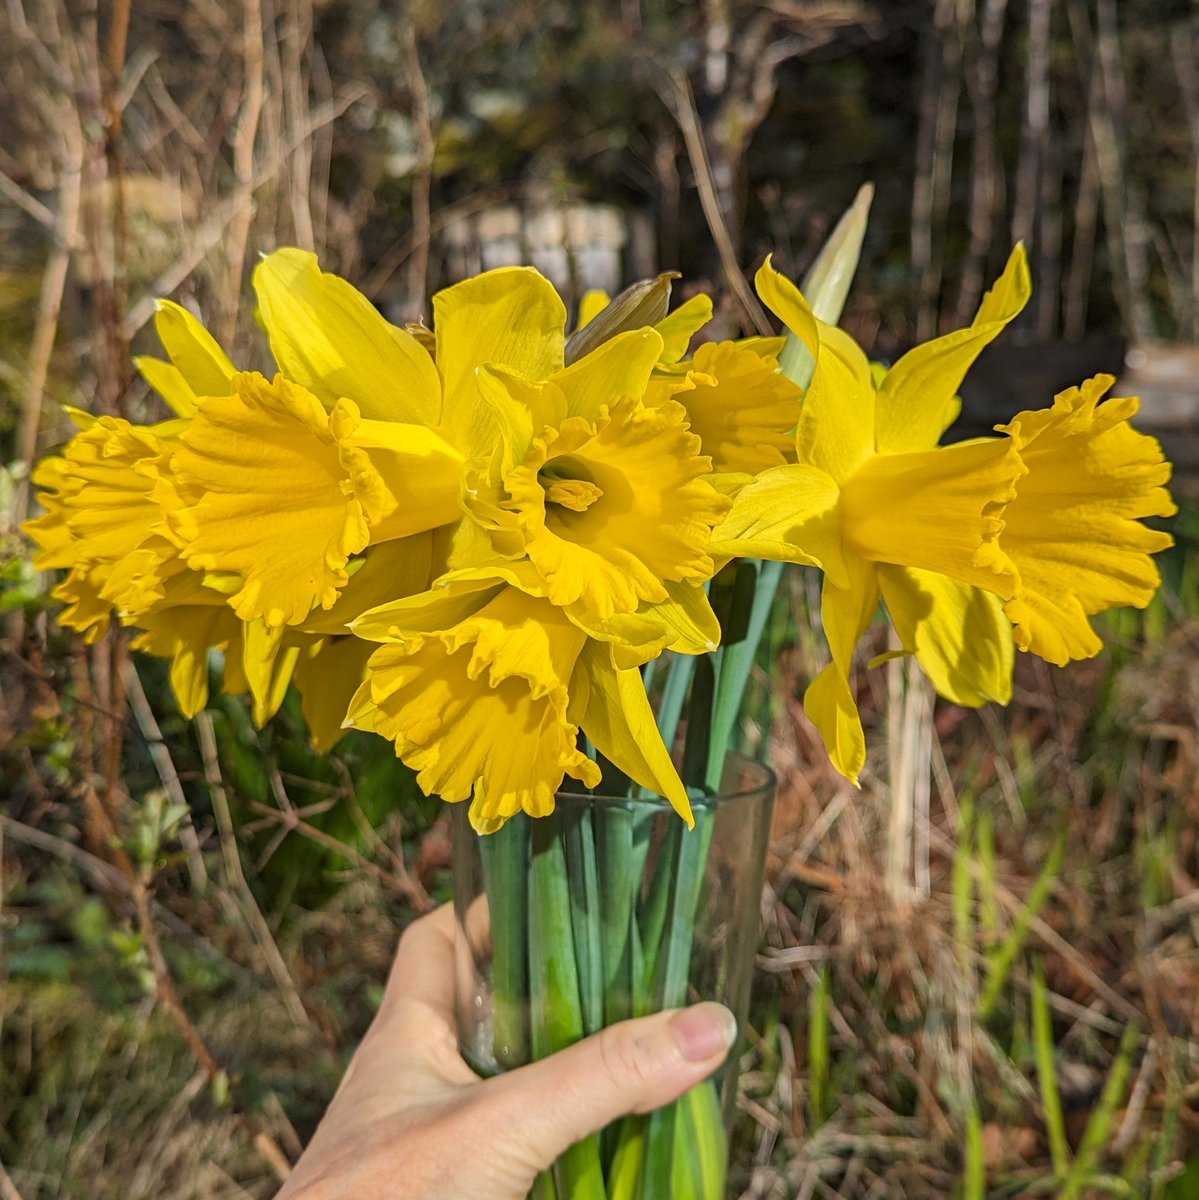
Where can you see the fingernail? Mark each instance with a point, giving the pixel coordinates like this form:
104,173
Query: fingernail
703,1030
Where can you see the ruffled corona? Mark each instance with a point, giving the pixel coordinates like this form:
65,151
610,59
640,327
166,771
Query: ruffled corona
743,410
1073,529
278,495
104,523
608,510
481,708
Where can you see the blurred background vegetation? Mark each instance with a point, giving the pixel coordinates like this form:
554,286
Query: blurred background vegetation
980,974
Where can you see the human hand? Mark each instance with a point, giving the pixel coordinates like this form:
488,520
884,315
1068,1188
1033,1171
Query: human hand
411,1121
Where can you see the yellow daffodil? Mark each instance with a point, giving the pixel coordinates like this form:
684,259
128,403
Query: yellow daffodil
605,496
1038,528
103,522
484,687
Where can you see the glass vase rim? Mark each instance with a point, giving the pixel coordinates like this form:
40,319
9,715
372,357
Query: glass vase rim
766,783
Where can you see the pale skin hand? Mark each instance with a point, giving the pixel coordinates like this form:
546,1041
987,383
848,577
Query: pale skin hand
411,1121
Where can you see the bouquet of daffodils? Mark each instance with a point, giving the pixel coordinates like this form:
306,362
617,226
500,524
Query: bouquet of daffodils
477,540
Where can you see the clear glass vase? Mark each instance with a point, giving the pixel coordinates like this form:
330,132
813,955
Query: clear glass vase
611,908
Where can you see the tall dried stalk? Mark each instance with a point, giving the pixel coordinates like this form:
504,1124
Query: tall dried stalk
1034,132
422,180
982,76
939,93
54,280
243,164
1183,50
1076,289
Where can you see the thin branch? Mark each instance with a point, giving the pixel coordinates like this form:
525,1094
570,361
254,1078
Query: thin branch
54,281
251,913
682,103
243,163
422,180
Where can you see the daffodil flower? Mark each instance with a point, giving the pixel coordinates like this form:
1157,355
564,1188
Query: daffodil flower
1038,529
484,685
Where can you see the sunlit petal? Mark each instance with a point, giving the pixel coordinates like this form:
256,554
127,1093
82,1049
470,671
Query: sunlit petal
509,317
328,337
958,633
620,723
916,394
829,700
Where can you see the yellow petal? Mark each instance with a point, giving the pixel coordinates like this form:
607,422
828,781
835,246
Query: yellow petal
185,631
914,399
684,622
682,325
419,473
327,675
269,658
329,338
86,611
167,380
204,366
620,366
940,510
1073,529
509,317
829,701
958,634
389,571
282,498
746,416
787,303
591,305
481,707
836,425
620,723
788,514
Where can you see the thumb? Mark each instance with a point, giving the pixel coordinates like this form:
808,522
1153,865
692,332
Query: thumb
632,1067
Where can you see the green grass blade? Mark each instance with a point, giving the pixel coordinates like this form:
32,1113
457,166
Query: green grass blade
1051,1102
963,924
1095,1136
1005,956
586,918
818,1050
974,1175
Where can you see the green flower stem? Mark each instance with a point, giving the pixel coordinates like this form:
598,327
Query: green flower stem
578,833
505,856
619,878
557,1014
701,1151
672,967
674,695
735,660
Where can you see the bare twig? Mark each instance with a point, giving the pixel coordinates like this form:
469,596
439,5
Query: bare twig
422,180
243,163
251,913
50,302
168,997
982,78
681,101
163,764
